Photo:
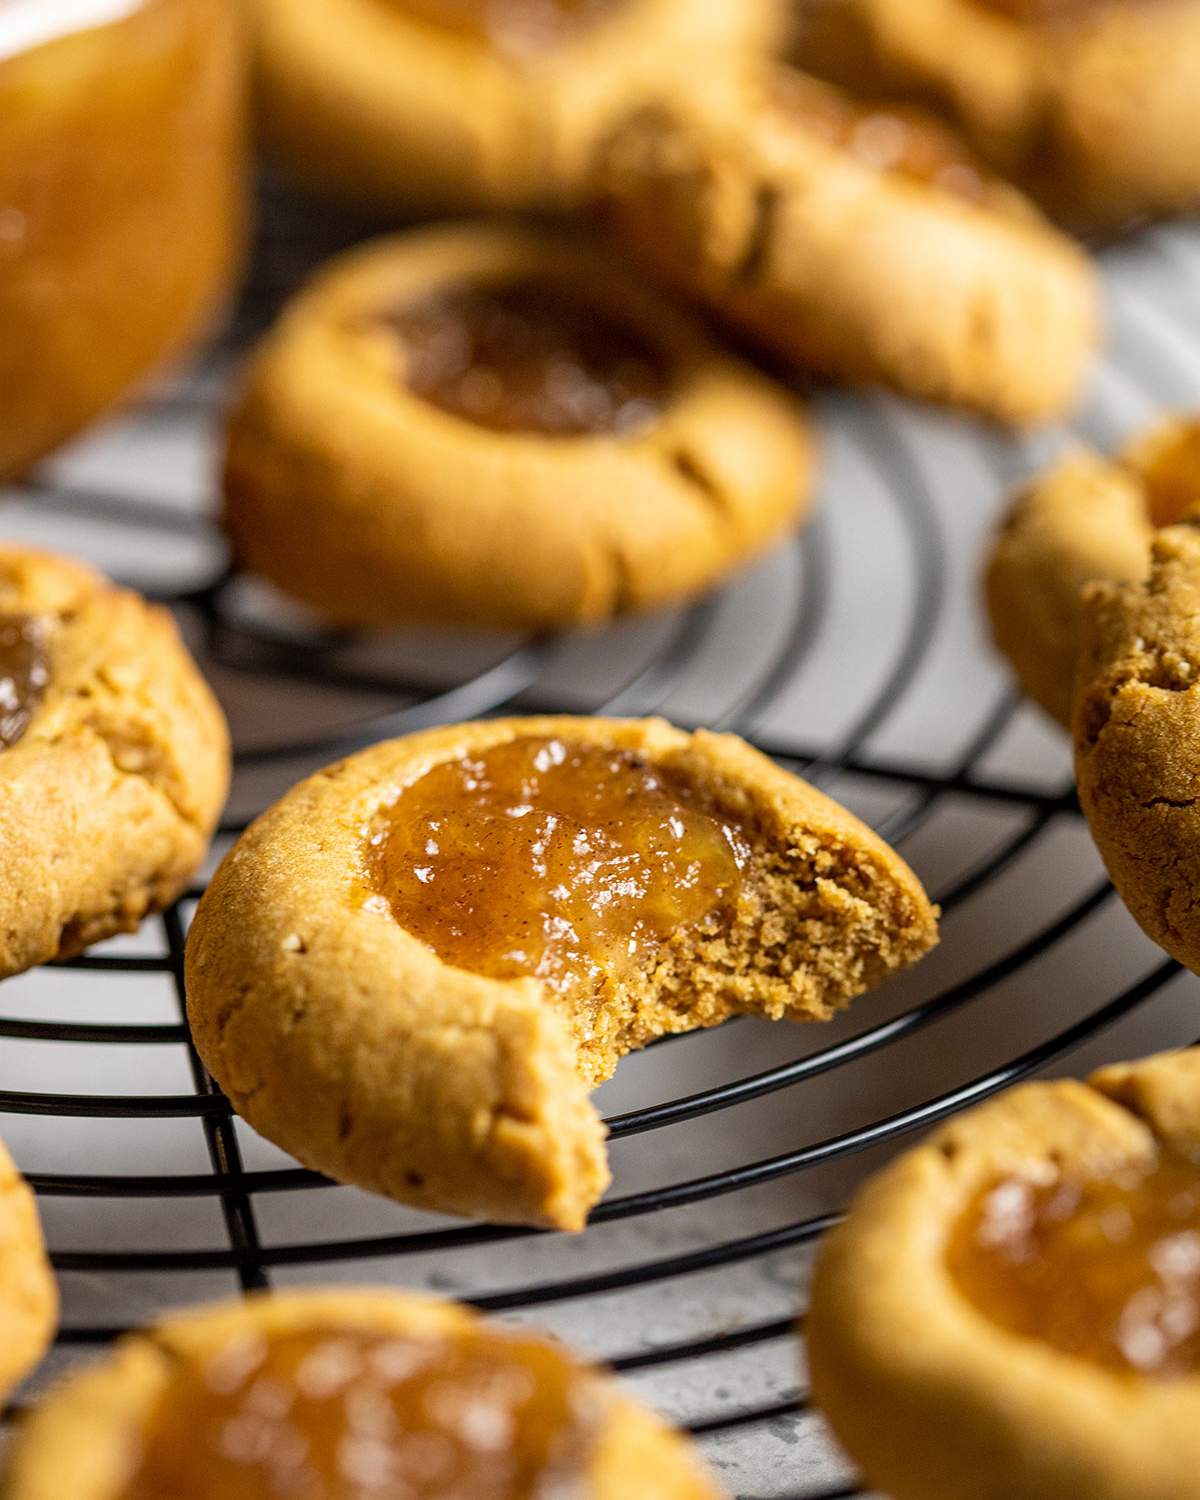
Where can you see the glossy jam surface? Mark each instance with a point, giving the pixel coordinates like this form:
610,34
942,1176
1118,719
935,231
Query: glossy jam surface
1107,1268
24,673
887,138
120,199
569,862
517,27
352,1415
528,357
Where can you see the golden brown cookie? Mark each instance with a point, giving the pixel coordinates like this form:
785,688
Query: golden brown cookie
864,241
480,425
1137,738
1014,1307
121,214
1092,105
114,759
1087,518
411,971
363,1392
453,104
28,1296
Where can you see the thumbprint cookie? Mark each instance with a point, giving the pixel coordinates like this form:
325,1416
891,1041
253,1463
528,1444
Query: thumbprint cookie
1092,105
349,1395
1087,518
862,240
114,759
122,153
1014,1307
476,425
413,969
1137,737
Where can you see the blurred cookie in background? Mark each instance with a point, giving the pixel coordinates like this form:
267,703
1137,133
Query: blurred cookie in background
480,425
454,104
121,200
1092,105
346,1393
28,1296
1088,517
865,242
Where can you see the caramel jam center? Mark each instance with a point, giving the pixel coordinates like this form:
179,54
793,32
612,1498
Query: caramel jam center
331,1414
24,673
1106,1268
566,861
529,357
517,27
887,138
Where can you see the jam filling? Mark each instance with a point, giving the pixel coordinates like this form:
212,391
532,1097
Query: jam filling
1107,1269
573,863
887,138
24,673
520,28
529,357
344,1414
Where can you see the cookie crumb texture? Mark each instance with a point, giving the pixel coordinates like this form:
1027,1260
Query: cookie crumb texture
114,763
1137,739
413,969
349,1393
28,1296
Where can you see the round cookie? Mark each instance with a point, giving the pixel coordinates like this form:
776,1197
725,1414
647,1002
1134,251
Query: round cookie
459,104
1087,518
114,759
864,241
382,1393
479,425
1092,105
1012,1308
28,1296
1137,738
411,971
122,155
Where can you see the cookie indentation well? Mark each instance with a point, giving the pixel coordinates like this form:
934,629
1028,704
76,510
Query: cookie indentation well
324,1411
528,356
569,862
1104,1268
887,138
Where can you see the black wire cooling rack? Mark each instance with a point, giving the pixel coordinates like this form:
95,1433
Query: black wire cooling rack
852,656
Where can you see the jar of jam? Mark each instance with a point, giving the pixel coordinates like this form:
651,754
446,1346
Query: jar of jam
121,199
